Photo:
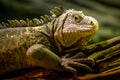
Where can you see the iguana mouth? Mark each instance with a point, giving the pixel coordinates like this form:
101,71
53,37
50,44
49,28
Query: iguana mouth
79,29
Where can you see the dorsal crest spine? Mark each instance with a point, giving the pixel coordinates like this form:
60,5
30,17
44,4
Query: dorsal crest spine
54,13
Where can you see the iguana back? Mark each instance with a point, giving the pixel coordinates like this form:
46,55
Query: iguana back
15,42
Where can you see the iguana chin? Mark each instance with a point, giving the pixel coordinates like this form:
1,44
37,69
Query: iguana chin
24,47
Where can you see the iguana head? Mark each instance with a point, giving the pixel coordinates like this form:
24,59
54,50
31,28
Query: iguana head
73,27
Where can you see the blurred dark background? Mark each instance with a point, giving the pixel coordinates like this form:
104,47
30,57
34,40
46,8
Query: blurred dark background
107,12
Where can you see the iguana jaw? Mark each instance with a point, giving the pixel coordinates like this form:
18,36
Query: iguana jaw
82,31
72,31
88,24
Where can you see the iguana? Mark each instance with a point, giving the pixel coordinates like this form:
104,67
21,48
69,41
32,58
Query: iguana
45,45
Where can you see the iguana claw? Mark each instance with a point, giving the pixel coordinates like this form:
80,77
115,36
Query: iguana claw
71,64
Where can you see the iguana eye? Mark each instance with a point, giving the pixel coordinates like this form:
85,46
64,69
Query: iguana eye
77,18
92,23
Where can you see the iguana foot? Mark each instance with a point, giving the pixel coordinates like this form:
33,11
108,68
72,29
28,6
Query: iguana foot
72,65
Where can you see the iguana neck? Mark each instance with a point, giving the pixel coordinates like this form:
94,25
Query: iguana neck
50,30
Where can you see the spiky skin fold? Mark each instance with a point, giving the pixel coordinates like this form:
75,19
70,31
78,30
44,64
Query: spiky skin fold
24,47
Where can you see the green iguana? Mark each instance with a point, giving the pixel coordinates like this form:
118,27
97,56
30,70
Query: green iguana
45,45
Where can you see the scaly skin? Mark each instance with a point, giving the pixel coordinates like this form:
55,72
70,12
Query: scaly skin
48,46
16,42
44,45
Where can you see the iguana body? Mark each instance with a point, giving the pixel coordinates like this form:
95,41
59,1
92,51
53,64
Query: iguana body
18,40
43,46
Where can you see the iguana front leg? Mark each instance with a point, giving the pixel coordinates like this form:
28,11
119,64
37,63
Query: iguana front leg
80,63
39,55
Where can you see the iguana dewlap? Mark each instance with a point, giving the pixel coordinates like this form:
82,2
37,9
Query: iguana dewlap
24,47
